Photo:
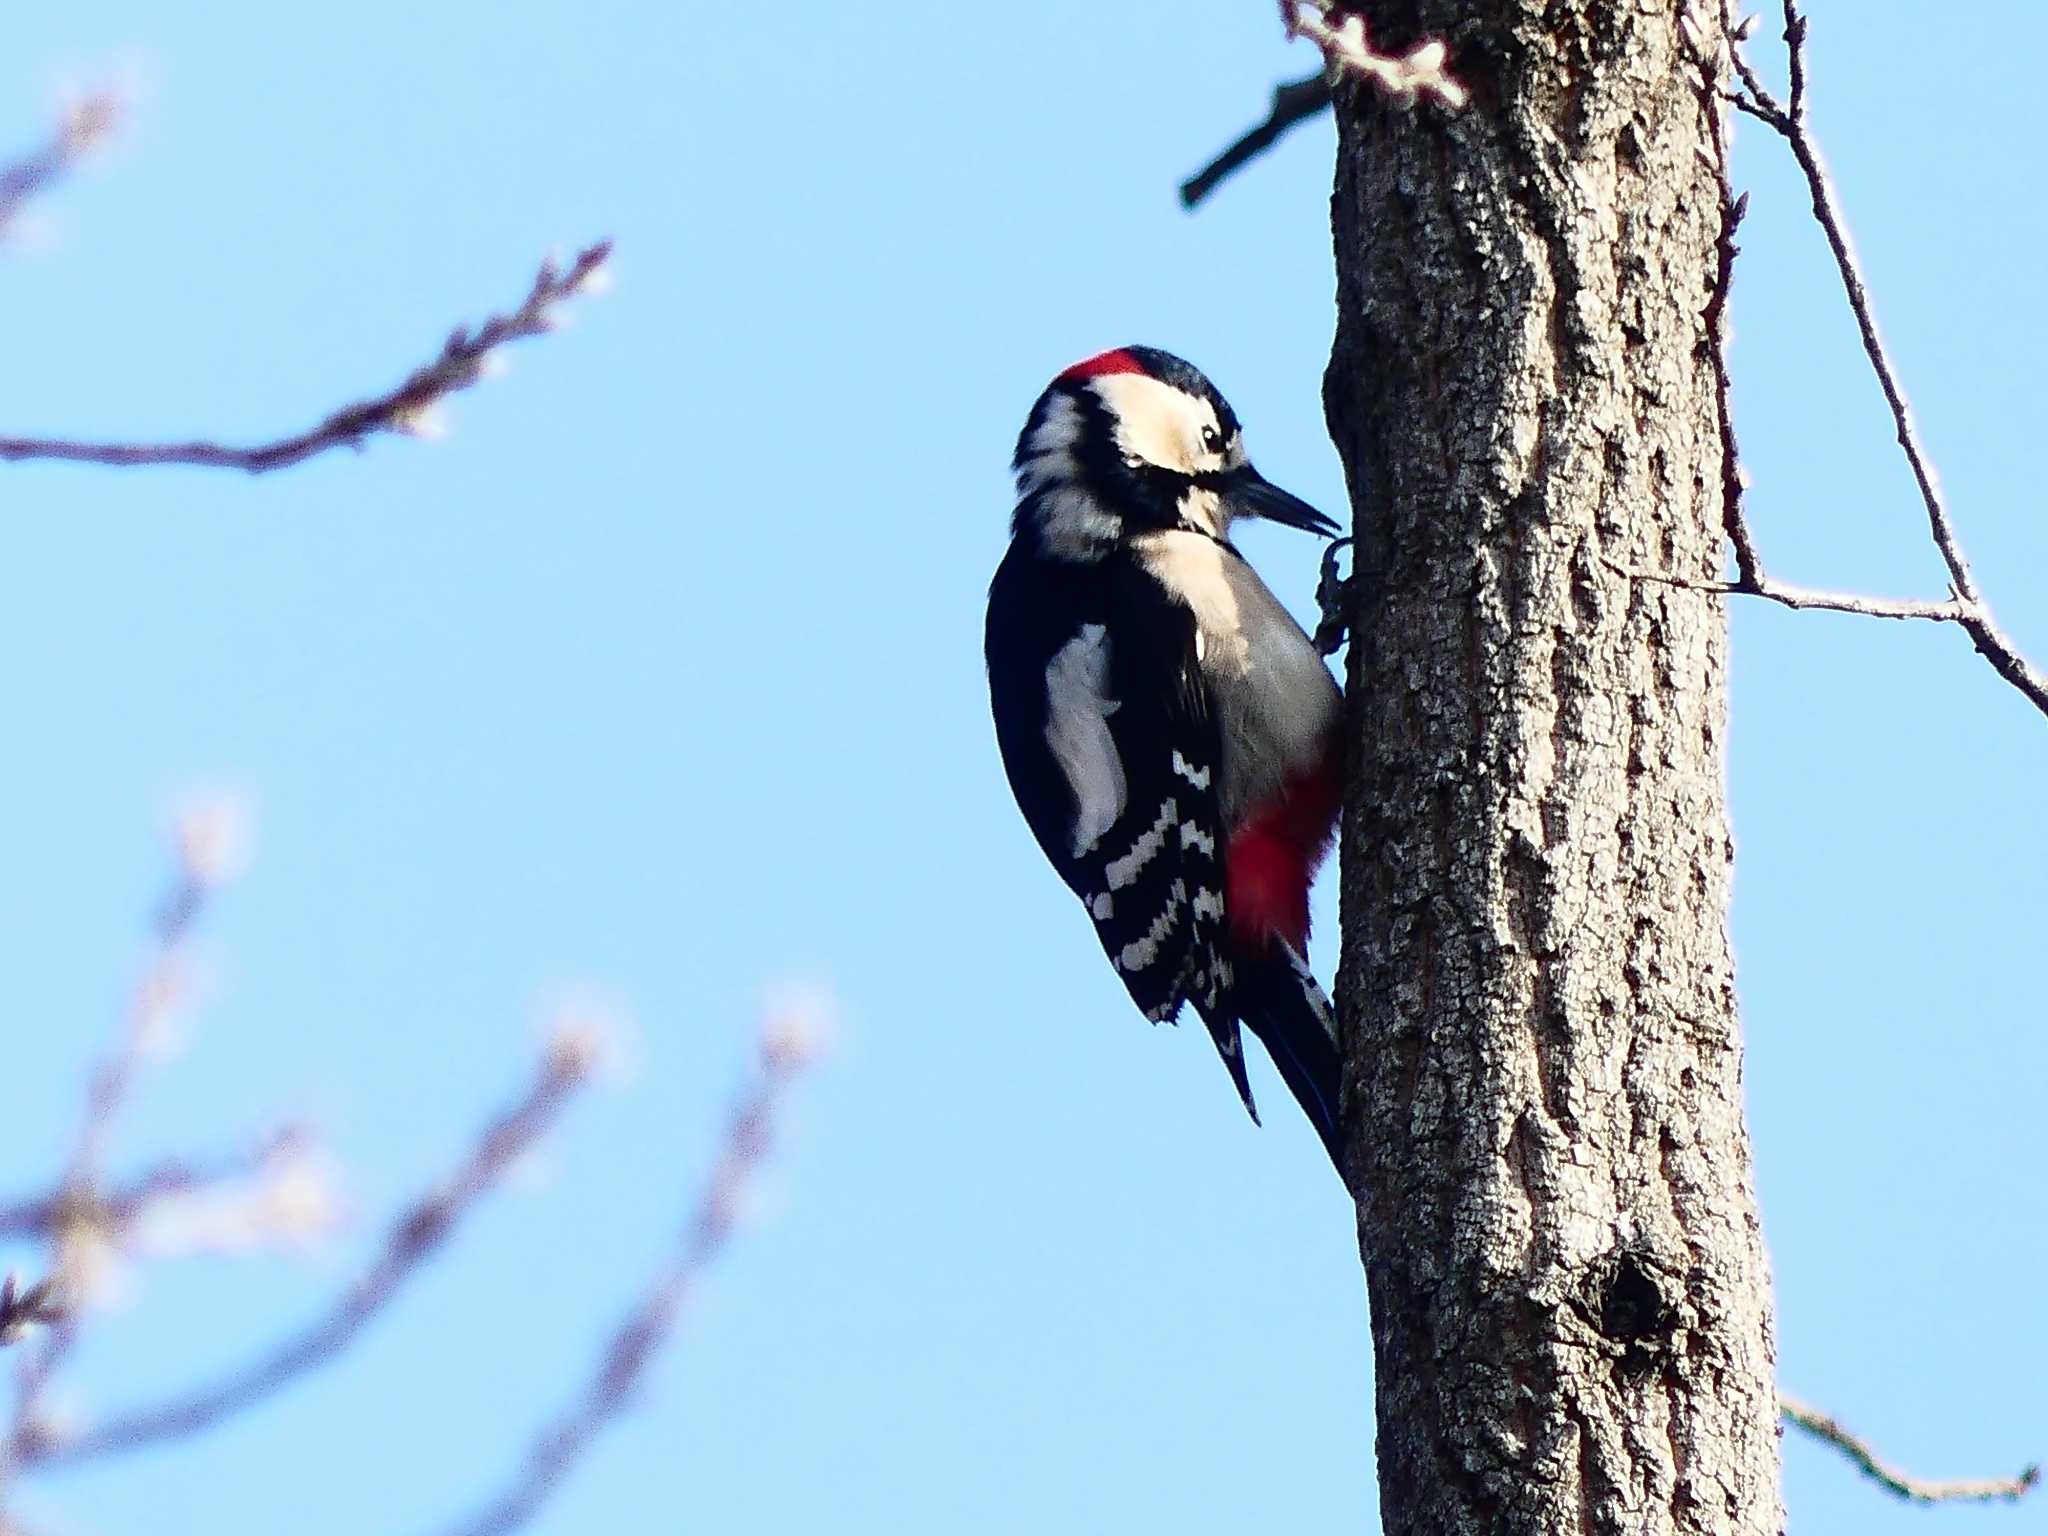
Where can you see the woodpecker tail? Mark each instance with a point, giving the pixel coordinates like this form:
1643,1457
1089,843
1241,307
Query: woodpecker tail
1280,1001
1230,1046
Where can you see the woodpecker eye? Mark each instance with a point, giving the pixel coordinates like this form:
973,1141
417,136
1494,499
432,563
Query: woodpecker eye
1212,439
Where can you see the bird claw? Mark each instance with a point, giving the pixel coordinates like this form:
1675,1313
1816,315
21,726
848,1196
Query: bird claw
1333,602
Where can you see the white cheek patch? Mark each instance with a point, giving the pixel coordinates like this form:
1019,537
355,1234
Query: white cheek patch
1155,421
1077,731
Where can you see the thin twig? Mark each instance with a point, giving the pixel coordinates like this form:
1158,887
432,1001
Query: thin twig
1795,50
1751,581
149,1005
1789,122
1734,518
1969,608
205,843
1965,606
409,409
786,1050
1294,102
1918,1490
412,1239
83,127
124,1206
1346,50
1789,596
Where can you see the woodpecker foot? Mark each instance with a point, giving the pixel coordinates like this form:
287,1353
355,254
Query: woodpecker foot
1334,595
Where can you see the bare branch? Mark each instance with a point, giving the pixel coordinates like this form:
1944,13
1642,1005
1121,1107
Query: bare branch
411,408
1347,51
206,843
412,1239
1788,596
172,1178
1795,50
1968,609
1918,1490
1790,124
1294,102
787,1048
84,126
1715,317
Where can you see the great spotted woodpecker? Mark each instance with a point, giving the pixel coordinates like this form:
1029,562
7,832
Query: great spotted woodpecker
1167,727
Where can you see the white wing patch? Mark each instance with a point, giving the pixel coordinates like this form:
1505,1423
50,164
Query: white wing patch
1077,731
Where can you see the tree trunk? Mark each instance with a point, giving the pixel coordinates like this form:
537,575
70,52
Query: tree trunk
1570,1304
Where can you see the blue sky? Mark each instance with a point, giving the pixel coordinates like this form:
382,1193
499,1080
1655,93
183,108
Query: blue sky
661,675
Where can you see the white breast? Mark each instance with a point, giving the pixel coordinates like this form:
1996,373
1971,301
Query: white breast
1275,699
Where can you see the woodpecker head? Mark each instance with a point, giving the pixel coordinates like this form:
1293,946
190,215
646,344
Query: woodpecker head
1133,441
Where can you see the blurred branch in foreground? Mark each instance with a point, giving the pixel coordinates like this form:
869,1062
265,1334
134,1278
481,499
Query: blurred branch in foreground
411,1241
90,1226
22,1309
789,1044
1347,51
82,1247
412,408
82,127
140,1200
1294,103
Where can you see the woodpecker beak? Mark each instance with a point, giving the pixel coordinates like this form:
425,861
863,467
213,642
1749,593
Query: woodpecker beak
1250,494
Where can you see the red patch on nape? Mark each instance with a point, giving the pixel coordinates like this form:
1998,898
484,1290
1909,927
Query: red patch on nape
1272,858
1117,360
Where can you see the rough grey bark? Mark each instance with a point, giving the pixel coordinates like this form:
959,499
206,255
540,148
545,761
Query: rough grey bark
1570,1304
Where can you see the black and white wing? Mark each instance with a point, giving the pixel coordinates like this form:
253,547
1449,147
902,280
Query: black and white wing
1112,750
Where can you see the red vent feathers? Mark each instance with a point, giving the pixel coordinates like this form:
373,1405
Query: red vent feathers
1273,856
